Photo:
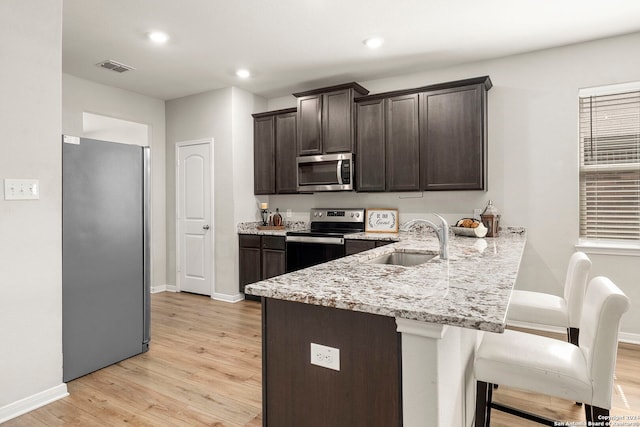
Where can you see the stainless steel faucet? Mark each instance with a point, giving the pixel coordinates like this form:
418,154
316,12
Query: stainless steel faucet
442,231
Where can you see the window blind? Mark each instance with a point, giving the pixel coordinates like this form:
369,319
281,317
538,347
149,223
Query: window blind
610,166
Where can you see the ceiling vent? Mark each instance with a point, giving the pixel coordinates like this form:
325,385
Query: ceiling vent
118,67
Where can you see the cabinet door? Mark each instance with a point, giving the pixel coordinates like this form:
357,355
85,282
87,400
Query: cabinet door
310,125
356,246
402,143
452,139
264,181
273,263
337,121
249,266
370,146
286,170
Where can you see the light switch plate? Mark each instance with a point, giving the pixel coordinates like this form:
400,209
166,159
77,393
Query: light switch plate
21,189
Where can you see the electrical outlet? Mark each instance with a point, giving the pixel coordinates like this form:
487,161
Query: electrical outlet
289,214
327,357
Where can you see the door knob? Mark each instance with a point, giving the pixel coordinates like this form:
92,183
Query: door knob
205,227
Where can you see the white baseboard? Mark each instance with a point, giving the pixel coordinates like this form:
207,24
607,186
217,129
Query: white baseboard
625,337
216,296
163,288
629,338
227,298
30,403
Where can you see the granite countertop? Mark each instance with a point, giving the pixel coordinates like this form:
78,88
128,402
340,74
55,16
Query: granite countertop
471,289
252,228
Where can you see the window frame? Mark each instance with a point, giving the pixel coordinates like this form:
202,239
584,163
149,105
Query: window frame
626,247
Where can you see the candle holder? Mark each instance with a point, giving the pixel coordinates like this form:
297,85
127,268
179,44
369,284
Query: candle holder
491,219
265,216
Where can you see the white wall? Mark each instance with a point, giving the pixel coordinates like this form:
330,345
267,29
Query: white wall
30,231
80,96
215,114
105,128
533,156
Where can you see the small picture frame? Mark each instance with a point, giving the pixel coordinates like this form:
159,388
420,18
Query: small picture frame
381,220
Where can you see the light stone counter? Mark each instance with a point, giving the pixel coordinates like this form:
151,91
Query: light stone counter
252,228
470,290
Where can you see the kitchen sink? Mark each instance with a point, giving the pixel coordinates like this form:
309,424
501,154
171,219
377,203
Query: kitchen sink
405,259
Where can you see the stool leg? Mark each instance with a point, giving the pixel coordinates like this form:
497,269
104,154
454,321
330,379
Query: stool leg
482,406
490,388
598,414
572,335
588,414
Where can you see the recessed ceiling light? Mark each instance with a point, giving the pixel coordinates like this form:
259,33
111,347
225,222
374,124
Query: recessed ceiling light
158,37
243,73
374,42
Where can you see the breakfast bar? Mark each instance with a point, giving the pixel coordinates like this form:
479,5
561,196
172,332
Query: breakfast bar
426,318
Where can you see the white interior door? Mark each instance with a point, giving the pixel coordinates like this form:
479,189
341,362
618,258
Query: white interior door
194,217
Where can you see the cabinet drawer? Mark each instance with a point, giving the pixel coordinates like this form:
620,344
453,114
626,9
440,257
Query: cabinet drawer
273,242
249,241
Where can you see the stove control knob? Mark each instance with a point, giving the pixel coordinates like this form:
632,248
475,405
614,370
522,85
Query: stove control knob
315,214
319,213
357,214
352,215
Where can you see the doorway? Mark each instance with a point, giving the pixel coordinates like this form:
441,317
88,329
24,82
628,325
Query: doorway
194,217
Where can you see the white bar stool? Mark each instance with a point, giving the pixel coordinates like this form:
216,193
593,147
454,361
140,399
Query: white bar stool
538,364
548,309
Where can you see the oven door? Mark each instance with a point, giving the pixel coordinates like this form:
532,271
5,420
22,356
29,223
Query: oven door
331,172
303,252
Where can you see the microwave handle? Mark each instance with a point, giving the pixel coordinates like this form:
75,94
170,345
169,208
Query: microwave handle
339,171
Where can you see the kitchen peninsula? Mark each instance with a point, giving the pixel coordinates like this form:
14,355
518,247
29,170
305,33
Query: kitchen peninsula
406,335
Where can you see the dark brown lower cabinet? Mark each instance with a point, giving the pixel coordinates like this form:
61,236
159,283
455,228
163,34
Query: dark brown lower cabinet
250,260
260,257
356,246
273,256
366,392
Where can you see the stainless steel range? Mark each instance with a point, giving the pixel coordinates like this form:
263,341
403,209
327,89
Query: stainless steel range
324,240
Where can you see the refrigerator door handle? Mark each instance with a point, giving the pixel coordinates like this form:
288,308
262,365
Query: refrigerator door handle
146,161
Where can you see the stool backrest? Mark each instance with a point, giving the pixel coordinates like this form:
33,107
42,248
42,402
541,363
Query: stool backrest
575,286
604,305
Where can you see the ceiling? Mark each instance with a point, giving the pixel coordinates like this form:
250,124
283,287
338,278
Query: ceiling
294,45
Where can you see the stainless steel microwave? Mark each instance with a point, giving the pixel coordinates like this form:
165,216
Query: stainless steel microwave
328,172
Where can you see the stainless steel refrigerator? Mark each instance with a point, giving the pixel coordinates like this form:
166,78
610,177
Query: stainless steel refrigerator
105,254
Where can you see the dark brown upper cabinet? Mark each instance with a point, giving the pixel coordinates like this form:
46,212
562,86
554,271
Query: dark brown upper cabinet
286,135
274,152
427,138
403,143
326,119
388,144
264,139
370,146
453,152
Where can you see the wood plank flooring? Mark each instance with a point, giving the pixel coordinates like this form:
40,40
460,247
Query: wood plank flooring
204,368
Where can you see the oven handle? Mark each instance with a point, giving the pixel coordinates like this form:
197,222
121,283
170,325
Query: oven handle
325,240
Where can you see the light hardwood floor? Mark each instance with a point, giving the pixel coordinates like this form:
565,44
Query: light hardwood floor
204,368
